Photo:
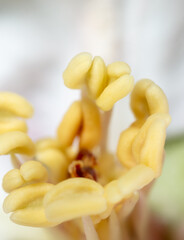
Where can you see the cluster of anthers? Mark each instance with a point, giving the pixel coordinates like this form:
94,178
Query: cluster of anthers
73,176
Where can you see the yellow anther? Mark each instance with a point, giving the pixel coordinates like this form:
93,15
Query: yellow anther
47,143
143,142
140,138
74,198
148,147
82,119
116,70
147,99
56,163
91,126
82,70
15,104
12,180
22,197
70,125
135,179
30,171
34,217
16,142
76,71
12,124
124,148
114,92
97,78
150,107
33,171
26,203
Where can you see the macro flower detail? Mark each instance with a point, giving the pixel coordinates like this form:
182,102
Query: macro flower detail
106,85
73,175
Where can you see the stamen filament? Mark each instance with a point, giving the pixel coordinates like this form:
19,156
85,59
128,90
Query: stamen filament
89,229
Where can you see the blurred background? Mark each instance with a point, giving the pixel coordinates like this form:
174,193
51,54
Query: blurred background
39,37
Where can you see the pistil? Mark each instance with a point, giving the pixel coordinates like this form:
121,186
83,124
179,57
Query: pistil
83,165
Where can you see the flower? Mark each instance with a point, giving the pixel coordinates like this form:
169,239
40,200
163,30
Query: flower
74,176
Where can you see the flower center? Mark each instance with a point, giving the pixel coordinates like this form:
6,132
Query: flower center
83,165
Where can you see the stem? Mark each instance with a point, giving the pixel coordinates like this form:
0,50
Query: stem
89,229
114,227
105,121
15,161
140,217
